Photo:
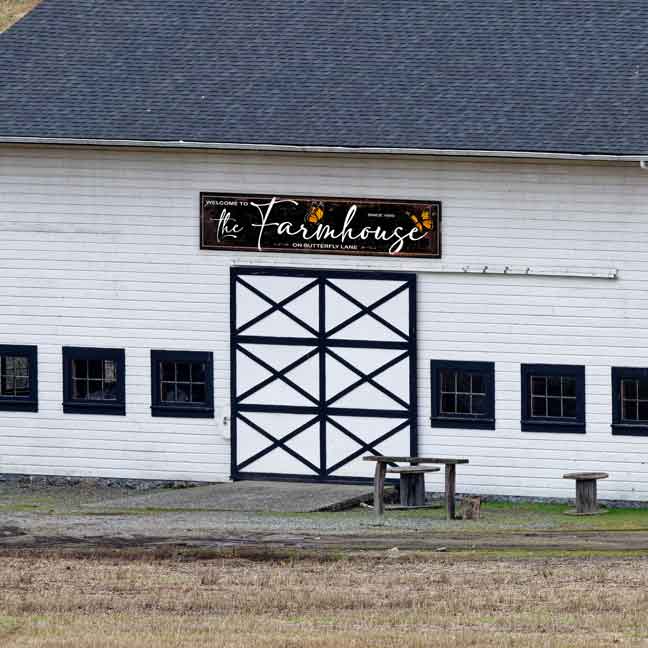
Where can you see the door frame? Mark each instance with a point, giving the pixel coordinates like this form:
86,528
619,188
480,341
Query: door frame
321,274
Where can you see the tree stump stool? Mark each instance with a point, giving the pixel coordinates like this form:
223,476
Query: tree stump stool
412,483
586,503
471,508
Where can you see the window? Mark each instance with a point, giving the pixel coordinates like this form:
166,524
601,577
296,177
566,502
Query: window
463,394
18,378
181,384
553,398
630,401
94,381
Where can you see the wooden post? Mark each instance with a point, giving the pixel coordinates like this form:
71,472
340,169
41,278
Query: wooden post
412,489
586,496
450,485
379,490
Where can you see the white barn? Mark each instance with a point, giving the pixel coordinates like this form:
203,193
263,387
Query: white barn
132,347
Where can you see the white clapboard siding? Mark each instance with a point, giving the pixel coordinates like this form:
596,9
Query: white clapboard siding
100,247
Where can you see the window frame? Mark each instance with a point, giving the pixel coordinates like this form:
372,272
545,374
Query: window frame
184,410
22,403
619,425
550,423
103,407
467,421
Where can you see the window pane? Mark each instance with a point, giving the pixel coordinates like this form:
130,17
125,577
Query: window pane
183,391
79,389
183,379
198,372
8,386
629,410
184,371
448,404
110,370
569,407
553,407
95,390
463,404
643,410
538,407
110,391
79,369
538,386
198,393
94,380
629,388
168,371
463,382
14,376
8,364
478,405
168,392
447,380
643,388
478,386
554,386
22,386
21,366
569,386
95,369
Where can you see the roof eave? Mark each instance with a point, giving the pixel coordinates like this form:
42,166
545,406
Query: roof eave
289,148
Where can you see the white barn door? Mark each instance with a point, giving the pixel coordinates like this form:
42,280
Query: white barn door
323,372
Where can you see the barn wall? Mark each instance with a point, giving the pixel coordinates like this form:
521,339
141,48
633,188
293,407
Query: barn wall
101,248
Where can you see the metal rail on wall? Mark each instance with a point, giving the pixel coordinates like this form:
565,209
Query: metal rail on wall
483,269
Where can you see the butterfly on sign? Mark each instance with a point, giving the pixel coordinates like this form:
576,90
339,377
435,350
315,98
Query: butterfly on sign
423,221
315,213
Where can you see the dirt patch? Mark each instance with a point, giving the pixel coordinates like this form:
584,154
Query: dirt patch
14,539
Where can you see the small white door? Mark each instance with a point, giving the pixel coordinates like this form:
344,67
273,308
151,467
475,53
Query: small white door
323,372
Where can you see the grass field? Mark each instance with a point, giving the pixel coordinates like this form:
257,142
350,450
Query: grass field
414,600
524,576
13,10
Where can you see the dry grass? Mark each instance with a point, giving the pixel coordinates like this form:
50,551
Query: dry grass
13,10
421,601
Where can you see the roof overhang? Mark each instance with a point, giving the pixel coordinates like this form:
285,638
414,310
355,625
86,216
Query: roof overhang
288,148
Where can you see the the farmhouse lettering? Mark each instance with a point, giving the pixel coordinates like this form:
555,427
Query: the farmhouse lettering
324,225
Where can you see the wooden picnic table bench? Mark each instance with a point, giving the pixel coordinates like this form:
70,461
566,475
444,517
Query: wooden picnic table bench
381,469
412,483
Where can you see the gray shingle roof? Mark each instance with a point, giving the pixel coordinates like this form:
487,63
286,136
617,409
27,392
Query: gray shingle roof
508,75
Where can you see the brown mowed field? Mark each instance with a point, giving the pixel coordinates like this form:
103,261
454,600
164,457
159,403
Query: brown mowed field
417,600
13,10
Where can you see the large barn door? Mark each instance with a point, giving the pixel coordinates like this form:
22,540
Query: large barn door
323,371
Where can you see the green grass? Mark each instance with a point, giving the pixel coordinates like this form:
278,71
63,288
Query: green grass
496,516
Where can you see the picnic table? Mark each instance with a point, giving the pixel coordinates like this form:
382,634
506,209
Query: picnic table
381,469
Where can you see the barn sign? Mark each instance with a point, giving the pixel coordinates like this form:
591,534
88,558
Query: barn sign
265,223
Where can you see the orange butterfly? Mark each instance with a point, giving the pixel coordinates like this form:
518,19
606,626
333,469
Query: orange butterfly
424,221
315,213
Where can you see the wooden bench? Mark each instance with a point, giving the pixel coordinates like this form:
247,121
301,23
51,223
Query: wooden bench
381,468
586,503
412,483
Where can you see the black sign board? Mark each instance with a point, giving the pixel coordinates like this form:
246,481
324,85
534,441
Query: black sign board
266,223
